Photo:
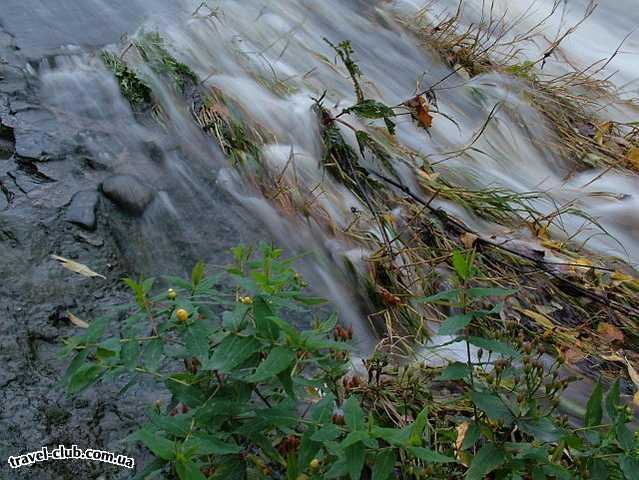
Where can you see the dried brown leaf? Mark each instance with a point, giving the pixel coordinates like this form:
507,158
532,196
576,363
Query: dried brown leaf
76,267
632,373
77,321
610,332
632,157
421,111
468,239
462,430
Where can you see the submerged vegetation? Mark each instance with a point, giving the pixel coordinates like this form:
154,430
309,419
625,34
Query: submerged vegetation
255,395
132,86
153,54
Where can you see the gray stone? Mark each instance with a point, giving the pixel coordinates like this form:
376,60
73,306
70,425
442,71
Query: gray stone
81,211
128,193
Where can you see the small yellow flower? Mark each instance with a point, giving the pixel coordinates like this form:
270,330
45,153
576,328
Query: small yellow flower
315,464
171,294
182,315
246,300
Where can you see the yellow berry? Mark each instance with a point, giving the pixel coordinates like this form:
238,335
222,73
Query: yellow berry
171,294
302,476
315,464
182,315
246,300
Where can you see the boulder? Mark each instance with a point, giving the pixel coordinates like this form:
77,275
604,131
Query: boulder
128,193
82,209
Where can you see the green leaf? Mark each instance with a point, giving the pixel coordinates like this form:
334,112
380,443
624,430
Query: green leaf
594,411
493,406
455,371
150,469
178,425
371,109
494,346
326,434
541,429
263,313
613,400
624,436
394,436
558,472
278,360
448,296
353,438
430,456
490,292
538,474
286,380
188,470
322,411
153,354
629,466
390,125
189,395
130,354
417,429
355,456
308,447
282,415
96,330
353,414
196,341
488,459
85,376
231,353
197,274
598,469
160,446
74,366
231,469
455,323
472,435
384,464
206,444
462,265
339,469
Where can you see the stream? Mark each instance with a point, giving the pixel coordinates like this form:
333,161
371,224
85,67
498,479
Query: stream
69,138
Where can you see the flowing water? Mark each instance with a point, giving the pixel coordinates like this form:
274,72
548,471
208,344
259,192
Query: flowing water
241,47
251,48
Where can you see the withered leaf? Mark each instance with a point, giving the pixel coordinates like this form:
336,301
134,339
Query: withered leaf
76,267
77,321
610,332
420,109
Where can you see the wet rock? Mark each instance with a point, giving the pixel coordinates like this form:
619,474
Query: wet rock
128,193
82,209
90,239
38,134
7,141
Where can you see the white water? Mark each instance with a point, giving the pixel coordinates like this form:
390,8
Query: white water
250,44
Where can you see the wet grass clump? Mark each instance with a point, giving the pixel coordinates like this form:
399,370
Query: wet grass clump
133,88
154,52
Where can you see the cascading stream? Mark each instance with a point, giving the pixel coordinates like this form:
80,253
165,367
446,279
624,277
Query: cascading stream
270,58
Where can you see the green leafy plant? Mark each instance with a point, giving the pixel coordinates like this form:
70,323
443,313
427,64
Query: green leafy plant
515,390
253,395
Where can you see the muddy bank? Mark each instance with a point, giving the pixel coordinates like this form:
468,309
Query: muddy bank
52,201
